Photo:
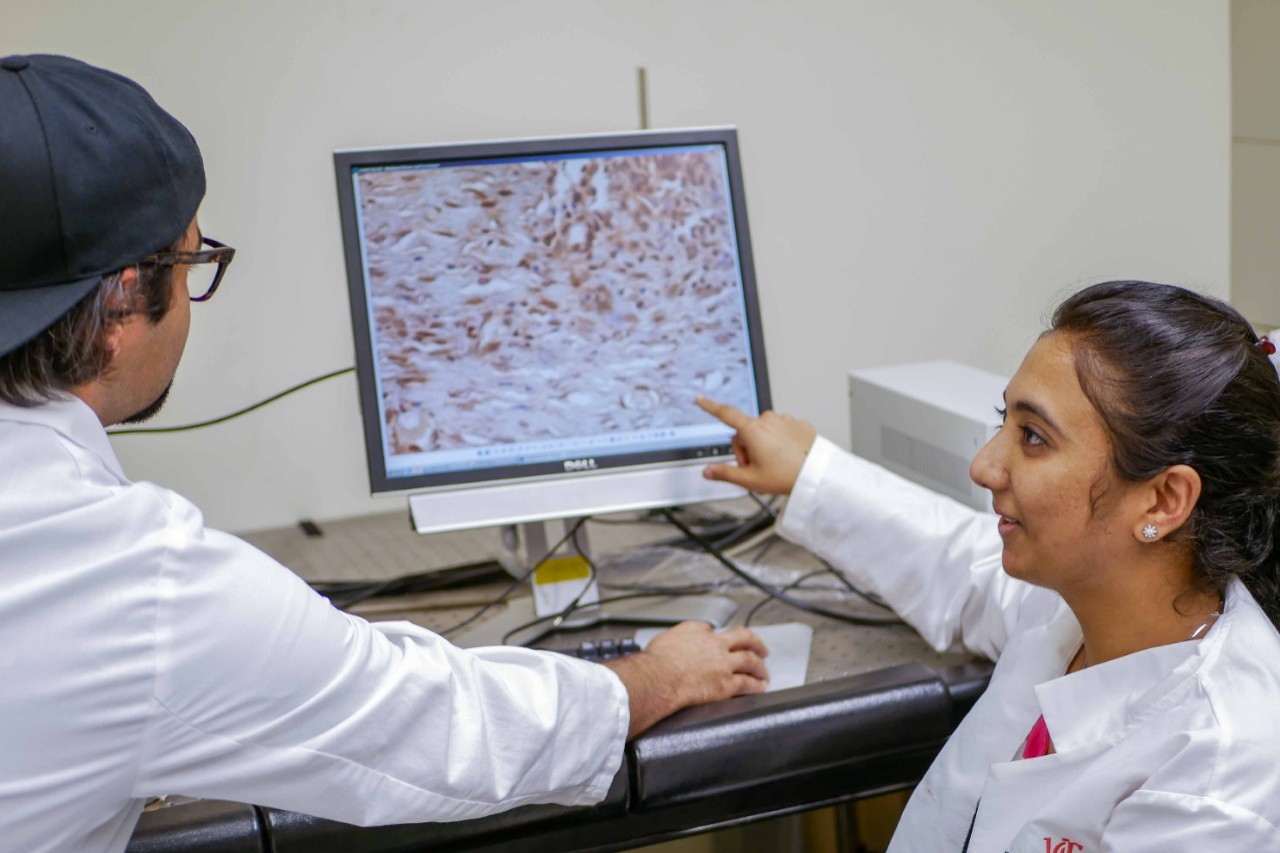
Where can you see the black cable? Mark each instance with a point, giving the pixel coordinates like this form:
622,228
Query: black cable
557,619
236,414
725,534
592,574
502,596
608,600
704,515
725,529
694,589
623,521
765,546
767,507
870,598
795,584
654,517
770,591
658,589
754,525
760,521
346,594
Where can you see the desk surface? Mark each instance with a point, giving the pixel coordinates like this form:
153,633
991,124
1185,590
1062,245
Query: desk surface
381,547
877,705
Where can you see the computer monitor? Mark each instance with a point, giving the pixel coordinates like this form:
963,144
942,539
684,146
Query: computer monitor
533,319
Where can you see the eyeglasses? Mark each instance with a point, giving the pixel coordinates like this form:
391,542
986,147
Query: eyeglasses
206,267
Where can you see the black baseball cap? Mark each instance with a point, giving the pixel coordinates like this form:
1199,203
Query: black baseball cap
94,176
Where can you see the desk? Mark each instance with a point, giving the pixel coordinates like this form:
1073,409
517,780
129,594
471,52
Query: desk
877,707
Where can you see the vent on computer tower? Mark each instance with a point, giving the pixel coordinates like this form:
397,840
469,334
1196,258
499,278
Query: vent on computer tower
926,459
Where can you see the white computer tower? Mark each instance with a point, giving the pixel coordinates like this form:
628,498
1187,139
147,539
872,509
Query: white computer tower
926,421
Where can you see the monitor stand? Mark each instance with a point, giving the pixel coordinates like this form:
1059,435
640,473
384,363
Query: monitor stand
509,625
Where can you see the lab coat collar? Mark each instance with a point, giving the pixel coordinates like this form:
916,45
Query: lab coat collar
1104,702
71,417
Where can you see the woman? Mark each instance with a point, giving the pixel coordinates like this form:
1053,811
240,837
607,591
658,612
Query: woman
1128,588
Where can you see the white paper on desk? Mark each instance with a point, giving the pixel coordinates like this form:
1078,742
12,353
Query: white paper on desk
788,645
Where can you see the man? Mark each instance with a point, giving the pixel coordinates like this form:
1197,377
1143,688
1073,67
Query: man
145,654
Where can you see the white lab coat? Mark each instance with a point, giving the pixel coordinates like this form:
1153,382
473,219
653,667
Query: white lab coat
142,654
1175,748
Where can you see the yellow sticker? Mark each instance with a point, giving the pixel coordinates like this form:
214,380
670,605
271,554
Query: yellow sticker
561,569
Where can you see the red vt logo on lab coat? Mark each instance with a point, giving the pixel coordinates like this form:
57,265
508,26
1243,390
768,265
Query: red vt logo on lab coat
1065,845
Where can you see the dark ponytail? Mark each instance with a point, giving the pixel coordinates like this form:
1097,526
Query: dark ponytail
1180,378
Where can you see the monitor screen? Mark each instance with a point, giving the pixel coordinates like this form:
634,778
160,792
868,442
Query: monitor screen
549,308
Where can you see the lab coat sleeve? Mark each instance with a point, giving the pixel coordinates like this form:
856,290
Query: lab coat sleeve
936,562
265,693
1159,822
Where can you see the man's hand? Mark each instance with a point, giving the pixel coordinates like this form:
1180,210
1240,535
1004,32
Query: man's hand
687,665
770,449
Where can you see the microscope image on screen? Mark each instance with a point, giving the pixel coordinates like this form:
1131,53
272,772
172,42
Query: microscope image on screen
548,298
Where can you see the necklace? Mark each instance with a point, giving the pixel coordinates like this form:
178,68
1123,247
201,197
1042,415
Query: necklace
1199,632
1195,635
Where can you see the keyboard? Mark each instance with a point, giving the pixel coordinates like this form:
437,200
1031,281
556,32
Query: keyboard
602,650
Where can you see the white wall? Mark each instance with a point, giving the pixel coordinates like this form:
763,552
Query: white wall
924,178
1255,166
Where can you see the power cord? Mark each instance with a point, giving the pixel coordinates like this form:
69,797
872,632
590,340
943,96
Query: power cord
592,574
235,414
795,584
868,597
726,531
568,611
346,594
506,593
815,609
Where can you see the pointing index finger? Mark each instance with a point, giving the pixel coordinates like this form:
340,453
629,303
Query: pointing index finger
735,418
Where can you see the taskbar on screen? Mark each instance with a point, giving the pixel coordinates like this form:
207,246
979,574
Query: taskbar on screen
530,464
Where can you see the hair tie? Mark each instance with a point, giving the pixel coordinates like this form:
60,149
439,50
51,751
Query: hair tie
1264,344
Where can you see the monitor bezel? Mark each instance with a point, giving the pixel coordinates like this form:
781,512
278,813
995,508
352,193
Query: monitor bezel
348,159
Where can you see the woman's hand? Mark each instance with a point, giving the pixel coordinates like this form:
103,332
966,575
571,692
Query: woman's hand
770,449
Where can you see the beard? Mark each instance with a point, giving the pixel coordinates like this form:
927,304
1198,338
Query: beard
141,417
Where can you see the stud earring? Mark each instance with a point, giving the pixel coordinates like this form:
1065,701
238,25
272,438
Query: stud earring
1150,532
